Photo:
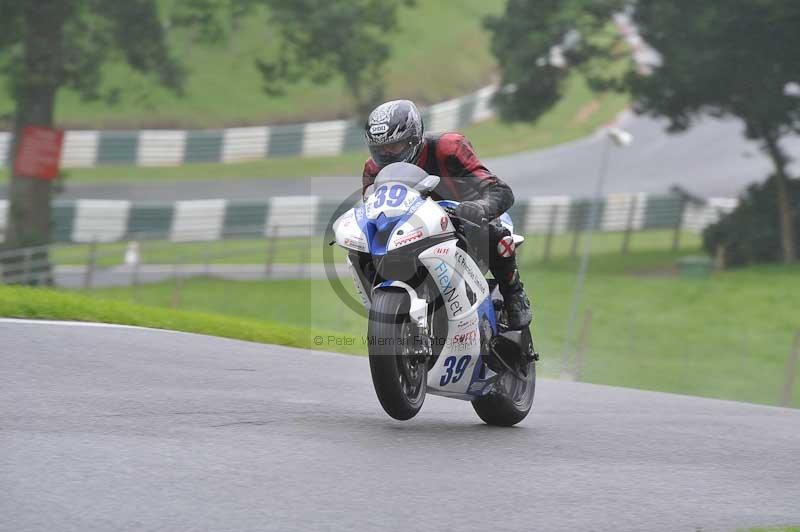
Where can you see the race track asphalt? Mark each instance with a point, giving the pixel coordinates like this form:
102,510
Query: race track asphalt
108,428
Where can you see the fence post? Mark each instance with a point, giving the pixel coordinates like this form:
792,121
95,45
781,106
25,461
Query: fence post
791,371
583,341
135,273
719,258
91,263
135,281
576,237
27,273
676,236
305,257
207,263
178,287
273,237
551,228
626,240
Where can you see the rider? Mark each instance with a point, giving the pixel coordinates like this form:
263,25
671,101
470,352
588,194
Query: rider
394,133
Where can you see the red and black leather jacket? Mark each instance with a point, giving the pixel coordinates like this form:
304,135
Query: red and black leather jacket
464,177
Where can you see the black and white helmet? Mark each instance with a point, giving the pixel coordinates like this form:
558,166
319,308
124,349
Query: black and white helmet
394,132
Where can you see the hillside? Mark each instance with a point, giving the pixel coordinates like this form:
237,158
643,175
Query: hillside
224,87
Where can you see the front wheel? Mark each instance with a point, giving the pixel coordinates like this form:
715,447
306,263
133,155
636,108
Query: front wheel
399,369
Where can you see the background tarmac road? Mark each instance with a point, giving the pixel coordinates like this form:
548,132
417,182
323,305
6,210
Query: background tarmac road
109,428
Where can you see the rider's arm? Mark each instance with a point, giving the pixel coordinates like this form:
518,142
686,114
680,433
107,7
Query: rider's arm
368,176
468,172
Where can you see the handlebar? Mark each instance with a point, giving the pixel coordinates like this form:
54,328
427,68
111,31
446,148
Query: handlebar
452,213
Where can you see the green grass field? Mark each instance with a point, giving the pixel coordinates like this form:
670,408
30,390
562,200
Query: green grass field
23,302
727,336
779,529
313,250
230,251
225,88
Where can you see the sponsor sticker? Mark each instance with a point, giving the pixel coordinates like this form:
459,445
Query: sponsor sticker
410,237
463,341
355,242
467,323
443,222
451,296
466,268
378,129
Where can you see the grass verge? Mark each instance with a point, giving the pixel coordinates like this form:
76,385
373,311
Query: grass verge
22,302
778,529
311,250
727,336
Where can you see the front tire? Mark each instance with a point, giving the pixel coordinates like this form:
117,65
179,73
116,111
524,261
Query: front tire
399,375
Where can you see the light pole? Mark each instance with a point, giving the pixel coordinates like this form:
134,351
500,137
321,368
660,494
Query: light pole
620,138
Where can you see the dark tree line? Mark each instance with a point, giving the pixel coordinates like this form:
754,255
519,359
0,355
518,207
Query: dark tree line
47,45
736,58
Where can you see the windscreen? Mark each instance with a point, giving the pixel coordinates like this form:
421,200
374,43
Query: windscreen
406,173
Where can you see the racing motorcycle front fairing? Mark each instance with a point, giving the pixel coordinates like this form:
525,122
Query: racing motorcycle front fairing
412,245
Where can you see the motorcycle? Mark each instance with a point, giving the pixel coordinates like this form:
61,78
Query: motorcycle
436,324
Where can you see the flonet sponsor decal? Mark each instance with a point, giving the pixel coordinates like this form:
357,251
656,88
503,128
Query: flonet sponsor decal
452,297
410,237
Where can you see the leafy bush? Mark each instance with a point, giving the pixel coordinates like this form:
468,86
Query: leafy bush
751,232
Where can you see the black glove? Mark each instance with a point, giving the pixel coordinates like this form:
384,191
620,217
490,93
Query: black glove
473,211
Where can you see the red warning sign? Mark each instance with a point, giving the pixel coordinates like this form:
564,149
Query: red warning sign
39,152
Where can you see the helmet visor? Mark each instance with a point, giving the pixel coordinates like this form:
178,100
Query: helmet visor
394,152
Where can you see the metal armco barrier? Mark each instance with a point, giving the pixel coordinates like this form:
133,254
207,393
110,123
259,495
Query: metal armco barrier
85,221
175,147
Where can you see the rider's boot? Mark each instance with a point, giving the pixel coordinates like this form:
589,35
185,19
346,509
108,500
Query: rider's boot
517,304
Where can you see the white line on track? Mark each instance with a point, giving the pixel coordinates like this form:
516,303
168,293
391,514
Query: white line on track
81,324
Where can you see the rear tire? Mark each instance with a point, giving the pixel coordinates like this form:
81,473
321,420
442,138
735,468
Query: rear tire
511,400
398,375
500,407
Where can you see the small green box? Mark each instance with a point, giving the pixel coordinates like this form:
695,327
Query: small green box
695,266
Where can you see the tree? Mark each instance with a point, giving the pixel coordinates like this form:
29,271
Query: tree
46,45
749,234
321,38
316,39
50,44
719,57
728,58
523,38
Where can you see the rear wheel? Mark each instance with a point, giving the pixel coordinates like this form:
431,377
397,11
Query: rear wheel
512,397
398,361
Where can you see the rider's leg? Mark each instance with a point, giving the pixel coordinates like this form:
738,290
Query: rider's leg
503,265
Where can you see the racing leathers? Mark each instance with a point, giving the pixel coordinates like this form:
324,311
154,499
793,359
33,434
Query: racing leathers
484,197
